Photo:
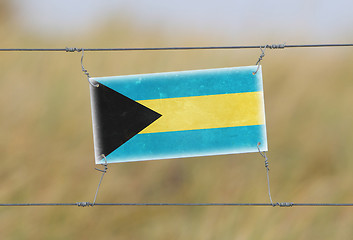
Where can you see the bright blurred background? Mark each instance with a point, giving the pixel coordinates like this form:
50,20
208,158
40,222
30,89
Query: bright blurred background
46,137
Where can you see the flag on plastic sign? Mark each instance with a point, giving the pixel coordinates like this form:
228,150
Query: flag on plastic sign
178,114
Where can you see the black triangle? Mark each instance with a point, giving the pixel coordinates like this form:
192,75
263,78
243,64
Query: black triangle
117,118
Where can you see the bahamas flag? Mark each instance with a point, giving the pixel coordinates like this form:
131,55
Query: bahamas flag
178,114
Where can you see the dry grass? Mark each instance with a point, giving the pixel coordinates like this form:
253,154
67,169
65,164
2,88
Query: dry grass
47,149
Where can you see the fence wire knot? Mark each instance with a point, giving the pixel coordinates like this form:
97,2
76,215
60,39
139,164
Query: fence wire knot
84,204
283,204
276,46
68,49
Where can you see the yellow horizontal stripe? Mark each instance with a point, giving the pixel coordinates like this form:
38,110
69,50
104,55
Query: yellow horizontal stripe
204,112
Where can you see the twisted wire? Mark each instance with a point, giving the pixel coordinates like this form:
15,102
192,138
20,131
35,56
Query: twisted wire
263,154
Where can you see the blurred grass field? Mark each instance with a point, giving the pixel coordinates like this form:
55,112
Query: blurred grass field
47,146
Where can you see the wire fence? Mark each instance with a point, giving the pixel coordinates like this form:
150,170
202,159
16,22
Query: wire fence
89,204
270,46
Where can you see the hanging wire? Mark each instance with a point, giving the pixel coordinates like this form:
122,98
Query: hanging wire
272,46
258,63
82,67
103,173
263,154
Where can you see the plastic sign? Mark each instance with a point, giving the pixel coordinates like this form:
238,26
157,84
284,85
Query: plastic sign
178,114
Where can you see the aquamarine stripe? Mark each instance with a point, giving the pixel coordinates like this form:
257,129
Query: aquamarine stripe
192,143
186,83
